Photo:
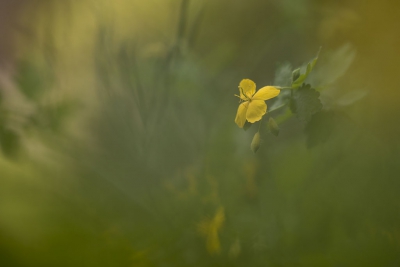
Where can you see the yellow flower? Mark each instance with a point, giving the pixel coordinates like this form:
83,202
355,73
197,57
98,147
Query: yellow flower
210,229
253,106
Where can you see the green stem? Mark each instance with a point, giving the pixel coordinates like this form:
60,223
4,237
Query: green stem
283,88
281,106
284,117
259,125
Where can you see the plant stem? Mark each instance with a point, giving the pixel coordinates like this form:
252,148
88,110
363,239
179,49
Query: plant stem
259,125
281,106
283,88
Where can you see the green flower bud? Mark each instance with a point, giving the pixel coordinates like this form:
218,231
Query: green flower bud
295,74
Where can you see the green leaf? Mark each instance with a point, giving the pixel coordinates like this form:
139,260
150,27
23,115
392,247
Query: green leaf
302,77
351,97
273,126
305,102
256,142
337,64
320,128
283,75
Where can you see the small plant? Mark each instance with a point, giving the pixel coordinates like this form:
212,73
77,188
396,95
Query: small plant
303,101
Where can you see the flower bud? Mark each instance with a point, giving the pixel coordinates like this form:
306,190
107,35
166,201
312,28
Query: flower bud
295,74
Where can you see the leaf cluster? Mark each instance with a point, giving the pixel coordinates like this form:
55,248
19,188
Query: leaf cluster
298,78
303,100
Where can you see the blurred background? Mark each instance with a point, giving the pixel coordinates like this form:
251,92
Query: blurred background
119,147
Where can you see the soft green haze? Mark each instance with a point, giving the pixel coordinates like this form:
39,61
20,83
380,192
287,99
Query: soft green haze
119,145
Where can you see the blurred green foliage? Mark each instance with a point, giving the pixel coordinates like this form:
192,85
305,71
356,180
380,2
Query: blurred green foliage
119,147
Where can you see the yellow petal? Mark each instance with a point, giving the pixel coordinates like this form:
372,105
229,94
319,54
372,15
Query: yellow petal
241,114
219,218
213,244
247,87
267,92
255,111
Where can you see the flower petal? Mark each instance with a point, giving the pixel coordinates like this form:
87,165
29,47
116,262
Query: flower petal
257,109
247,87
241,114
267,92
